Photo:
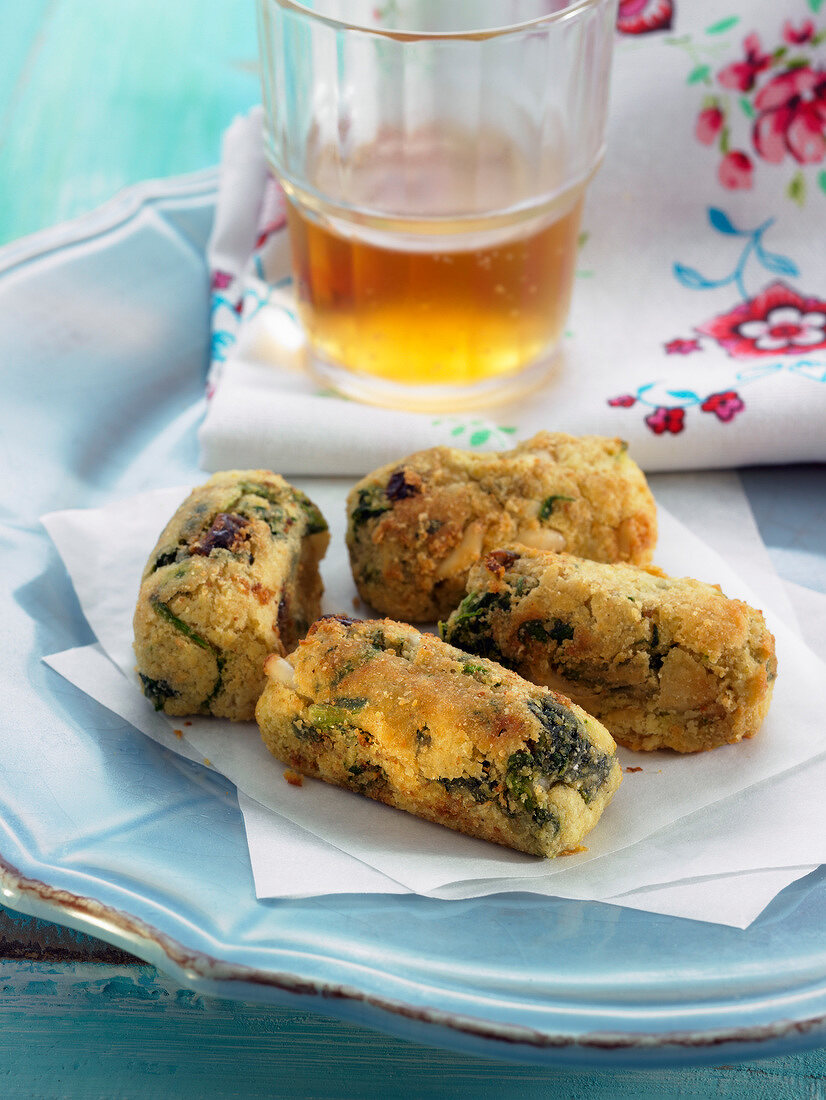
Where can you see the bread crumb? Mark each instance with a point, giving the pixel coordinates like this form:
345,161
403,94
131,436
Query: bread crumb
208,762
178,733
574,851
295,779
187,722
633,769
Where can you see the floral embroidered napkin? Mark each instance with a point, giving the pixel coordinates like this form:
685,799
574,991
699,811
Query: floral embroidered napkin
698,329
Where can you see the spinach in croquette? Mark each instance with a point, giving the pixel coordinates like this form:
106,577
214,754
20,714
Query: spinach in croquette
465,743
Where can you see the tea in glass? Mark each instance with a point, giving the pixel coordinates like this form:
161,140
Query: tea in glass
435,165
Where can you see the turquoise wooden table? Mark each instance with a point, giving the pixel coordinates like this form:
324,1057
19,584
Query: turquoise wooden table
94,96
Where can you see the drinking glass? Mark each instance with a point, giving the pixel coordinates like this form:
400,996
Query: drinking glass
435,156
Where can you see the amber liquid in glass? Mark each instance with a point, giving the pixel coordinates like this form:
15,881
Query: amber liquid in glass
434,301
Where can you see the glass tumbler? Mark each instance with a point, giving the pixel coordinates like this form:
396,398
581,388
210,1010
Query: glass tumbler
435,155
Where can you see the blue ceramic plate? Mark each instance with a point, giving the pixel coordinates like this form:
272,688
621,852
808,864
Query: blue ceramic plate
105,327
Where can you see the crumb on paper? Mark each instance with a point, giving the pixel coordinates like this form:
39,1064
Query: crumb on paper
633,769
295,779
574,851
187,722
208,762
178,733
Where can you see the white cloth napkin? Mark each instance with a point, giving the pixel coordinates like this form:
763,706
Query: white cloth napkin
104,550
698,329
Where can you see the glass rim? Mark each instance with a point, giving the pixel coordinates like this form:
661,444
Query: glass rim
572,9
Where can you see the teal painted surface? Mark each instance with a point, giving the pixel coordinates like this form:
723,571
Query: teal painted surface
101,1031
95,95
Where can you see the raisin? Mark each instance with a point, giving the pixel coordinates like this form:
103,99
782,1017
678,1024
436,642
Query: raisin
345,620
228,531
499,560
398,488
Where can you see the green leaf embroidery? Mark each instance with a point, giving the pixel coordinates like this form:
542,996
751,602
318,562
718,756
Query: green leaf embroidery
821,179
701,72
745,103
510,431
815,5
458,429
479,437
723,25
796,190
582,239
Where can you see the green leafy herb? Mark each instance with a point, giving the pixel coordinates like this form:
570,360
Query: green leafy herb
219,682
520,782
304,731
380,641
469,625
315,520
166,557
548,505
370,502
325,716
479,790
561,631
367,773
656,654
272,515
477,671
157,691
257,489
562,753
165,612
351,704
539,631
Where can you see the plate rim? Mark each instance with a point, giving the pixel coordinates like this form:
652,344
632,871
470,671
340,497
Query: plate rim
204,973
198,970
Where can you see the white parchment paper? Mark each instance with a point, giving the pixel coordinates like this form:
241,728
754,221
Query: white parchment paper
104,551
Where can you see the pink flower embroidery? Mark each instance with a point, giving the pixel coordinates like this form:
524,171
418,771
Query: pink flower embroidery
642,16
682,347
221,280
666,420
778,321
736,171
708,126
792,117
725,406
267,231
624,401
800,35
740,76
